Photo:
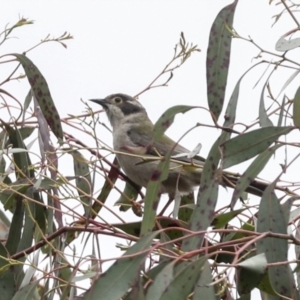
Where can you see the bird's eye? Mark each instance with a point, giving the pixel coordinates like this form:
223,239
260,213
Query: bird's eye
118,100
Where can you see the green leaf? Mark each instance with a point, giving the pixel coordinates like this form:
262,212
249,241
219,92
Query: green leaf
218,58
264,120
250,272
185,213
28,292
40,214
251,173
7,284
83,180
203,213
152,273
247,145
137,291
131,192
112,176
222,219
42,94
152,195
132,228
161,283
21,159
7,280
184,281
167,118
296,108
227,258
123,274
266,287
230,113
26,132
26,104
272,219
204,288
12,196
282,109
28,229
16,227
164,238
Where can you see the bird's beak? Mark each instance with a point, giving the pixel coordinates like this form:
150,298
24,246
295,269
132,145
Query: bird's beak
102,102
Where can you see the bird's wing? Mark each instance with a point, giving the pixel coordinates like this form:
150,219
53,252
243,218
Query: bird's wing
161,146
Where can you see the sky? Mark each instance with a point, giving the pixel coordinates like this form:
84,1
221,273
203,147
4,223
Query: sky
121,46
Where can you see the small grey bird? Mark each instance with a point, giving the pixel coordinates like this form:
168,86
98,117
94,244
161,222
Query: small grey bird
133,136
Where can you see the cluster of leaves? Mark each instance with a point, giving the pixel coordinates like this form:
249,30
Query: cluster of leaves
170,257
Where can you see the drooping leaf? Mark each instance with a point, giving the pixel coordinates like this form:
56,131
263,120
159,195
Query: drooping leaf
184,280
296,108
203,288
21,159
132,228
28,292
247,145
184,213
123,274
230,113
15,231
7,284
42,94
282,108
265,286
167,118
7,275
288,81
161,283
152,195
163,239
223,219
284,44
264,120
271,219
112,176
152,273
218,58
28,229
203,213
83,180
137,291
227,258
29,273
250,273
130,192
27,102
250,174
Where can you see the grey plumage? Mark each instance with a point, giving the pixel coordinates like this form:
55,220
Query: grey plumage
132,135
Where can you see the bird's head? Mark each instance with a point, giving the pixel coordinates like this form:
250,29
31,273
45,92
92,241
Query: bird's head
121,108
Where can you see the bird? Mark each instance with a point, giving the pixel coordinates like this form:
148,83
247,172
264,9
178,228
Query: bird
138,154
132,132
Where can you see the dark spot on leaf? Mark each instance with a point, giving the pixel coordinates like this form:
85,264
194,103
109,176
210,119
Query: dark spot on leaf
156,175
166,124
